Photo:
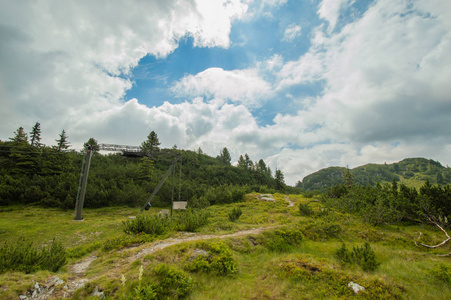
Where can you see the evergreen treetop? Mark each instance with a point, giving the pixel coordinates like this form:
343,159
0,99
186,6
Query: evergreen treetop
151,144
36,135
62,143
20,136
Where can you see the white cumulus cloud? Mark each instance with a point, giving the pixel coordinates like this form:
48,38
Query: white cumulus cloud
239,86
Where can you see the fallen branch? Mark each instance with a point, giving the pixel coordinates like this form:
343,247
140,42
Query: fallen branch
438,245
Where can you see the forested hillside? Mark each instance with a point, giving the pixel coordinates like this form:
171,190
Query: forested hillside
32,173
412,172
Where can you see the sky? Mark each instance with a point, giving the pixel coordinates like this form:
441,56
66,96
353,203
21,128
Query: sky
301,84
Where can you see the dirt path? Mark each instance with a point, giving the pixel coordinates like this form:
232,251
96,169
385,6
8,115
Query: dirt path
290,202
191,237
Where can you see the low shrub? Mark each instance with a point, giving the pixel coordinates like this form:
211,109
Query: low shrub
24,257
363,256
153,225
282,239
235,214
320,230
191,219
343,254
171,283
219,260
306,210
187,220
198,203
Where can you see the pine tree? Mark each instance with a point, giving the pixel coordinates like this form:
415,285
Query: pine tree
248,161
22,155
280,181
62,143
242,162
225,156
20,136
151,144
261,166
348,178
36,135
146,168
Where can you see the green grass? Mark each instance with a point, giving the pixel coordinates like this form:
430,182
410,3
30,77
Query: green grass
308,270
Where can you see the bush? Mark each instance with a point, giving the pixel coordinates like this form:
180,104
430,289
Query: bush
306,210
198,203
172,283
343,254
235,214
363,256
191,219
153,225
219,260
24,257
282,239
321,230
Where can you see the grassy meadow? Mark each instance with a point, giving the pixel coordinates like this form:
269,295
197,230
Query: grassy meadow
278,263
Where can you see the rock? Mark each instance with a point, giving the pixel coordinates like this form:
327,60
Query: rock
266,197
96,293
132,217
355,287
22,297
57,281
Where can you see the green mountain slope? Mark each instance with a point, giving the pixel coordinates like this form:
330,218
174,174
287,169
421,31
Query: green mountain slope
412,172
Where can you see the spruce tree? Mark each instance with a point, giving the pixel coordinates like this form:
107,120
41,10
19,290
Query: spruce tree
242,162
62,143
20,136
280,181
261,166
225,156
151,144
36,135
248,161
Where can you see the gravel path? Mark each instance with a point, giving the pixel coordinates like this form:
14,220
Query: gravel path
191,237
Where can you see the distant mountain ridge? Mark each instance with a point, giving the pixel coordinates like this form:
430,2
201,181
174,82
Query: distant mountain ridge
412,172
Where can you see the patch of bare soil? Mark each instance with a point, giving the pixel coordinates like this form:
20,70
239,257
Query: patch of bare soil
81,267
